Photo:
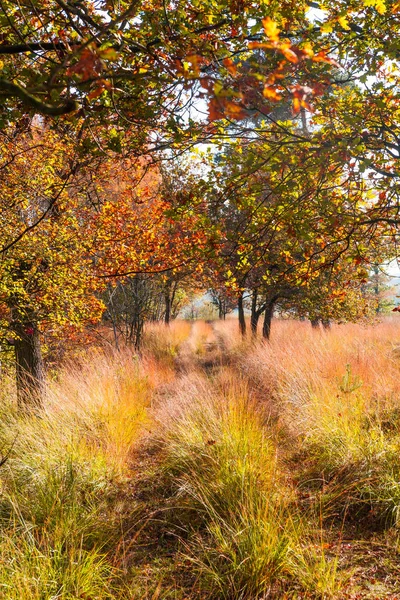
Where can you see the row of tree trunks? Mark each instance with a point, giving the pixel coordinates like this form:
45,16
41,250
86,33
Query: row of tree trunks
267,308
315,323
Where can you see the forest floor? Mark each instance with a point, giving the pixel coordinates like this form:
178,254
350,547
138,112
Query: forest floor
210,467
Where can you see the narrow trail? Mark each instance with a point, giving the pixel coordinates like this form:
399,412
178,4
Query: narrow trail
204,350
154,538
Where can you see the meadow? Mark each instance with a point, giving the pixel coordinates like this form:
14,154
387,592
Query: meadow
211,466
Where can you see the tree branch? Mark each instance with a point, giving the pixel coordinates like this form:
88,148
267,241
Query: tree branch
8,88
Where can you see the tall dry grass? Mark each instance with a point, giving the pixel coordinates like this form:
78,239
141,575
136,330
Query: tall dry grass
337,396
163,342
142,479
246,538
60,511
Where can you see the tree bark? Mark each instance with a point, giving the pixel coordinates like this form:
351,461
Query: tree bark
167,299
242,320
28,364
255,315
269,311
221,314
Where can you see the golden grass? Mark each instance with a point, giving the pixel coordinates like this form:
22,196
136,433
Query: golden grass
245,472
60,506
103,405
162,342
337,395
246,535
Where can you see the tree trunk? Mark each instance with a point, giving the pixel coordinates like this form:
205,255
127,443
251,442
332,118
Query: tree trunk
326,324
314,323
173,309
167,316
29,365
242,320
269,311
221,314
255,315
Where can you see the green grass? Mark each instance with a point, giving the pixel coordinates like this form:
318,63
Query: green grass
244,539
35,567
60,504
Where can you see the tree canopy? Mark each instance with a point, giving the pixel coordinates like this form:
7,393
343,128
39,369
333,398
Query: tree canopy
103,101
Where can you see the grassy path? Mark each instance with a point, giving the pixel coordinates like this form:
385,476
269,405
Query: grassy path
355,558
210,468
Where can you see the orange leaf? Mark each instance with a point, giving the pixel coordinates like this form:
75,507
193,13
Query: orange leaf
230,65
214,110
96,92
270,93
255,45
296,105
233,110
288,53
322,57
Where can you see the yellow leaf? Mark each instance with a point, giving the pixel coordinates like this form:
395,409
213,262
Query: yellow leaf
271,29
307,49
108,54
379,5
327,27
218,87
343,22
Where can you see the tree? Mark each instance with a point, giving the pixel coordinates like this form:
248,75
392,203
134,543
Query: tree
337,294
286,220
222,301
289,200
46,274
354,123
138,66
133,301
129,304
66,236
379,288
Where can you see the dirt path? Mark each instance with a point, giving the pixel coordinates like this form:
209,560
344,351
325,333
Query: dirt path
154,541
204,350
